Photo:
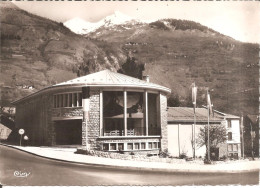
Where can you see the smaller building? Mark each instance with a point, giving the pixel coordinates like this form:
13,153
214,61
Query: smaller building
181,130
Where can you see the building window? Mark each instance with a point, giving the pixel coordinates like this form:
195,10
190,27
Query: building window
150,145
235,147
67,100
229,123
137,146
142,145
155,145
80,99
120,146
106,147
230,147
113,146
229,135
70,99
130,146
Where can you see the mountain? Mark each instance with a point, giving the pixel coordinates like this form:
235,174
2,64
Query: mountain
80,26
177,53
39,52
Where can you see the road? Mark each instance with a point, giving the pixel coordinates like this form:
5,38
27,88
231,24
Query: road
51,172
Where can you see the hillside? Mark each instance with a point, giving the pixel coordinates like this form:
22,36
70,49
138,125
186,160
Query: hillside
178,52
37,52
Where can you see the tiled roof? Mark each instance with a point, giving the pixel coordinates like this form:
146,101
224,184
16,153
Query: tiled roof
110,78
185,114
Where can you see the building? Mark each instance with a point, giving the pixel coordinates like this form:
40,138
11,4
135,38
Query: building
125,114
181,130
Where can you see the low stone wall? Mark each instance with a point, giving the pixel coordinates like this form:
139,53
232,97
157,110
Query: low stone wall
135,157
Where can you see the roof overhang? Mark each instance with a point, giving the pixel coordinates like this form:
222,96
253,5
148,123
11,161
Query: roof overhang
80,85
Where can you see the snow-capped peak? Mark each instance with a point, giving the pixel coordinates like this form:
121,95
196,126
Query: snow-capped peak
80,26
116,19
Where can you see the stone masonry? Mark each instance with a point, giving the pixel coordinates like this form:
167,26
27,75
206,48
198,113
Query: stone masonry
163,118
94,121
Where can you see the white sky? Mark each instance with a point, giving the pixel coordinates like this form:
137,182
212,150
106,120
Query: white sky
240,20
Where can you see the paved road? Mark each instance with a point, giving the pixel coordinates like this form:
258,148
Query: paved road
50,172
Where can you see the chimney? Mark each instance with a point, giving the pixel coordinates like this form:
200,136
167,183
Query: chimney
146,78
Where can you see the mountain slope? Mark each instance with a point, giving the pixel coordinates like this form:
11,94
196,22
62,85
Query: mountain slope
38,52
178,52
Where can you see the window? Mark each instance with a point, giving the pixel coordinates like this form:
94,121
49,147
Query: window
61,100
229,135
120,146
74,99
230,147
229,123
150,145
80,99
112,146
130,146
70,100
67,100
235,147
136,145
142,145
155,145
105,147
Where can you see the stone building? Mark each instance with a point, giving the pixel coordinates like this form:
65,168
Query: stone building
125,114
181,130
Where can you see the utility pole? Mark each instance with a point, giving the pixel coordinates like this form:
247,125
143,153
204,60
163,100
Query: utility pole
242,135
208,124
194,100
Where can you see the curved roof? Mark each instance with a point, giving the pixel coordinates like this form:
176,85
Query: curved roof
105,78
112,79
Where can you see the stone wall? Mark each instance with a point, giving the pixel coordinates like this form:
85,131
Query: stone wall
67,112
93,124
163,118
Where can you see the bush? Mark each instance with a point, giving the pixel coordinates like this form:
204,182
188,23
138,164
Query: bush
164,153
183,156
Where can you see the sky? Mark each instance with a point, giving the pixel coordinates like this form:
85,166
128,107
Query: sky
237,19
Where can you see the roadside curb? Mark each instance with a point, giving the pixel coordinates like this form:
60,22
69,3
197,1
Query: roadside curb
134,167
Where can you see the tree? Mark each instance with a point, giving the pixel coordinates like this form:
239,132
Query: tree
173,100
132,68
217,135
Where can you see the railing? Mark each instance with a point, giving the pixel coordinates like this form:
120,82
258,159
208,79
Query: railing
134,132
119,133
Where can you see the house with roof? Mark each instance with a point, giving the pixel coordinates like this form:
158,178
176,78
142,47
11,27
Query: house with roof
181,129
124,114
